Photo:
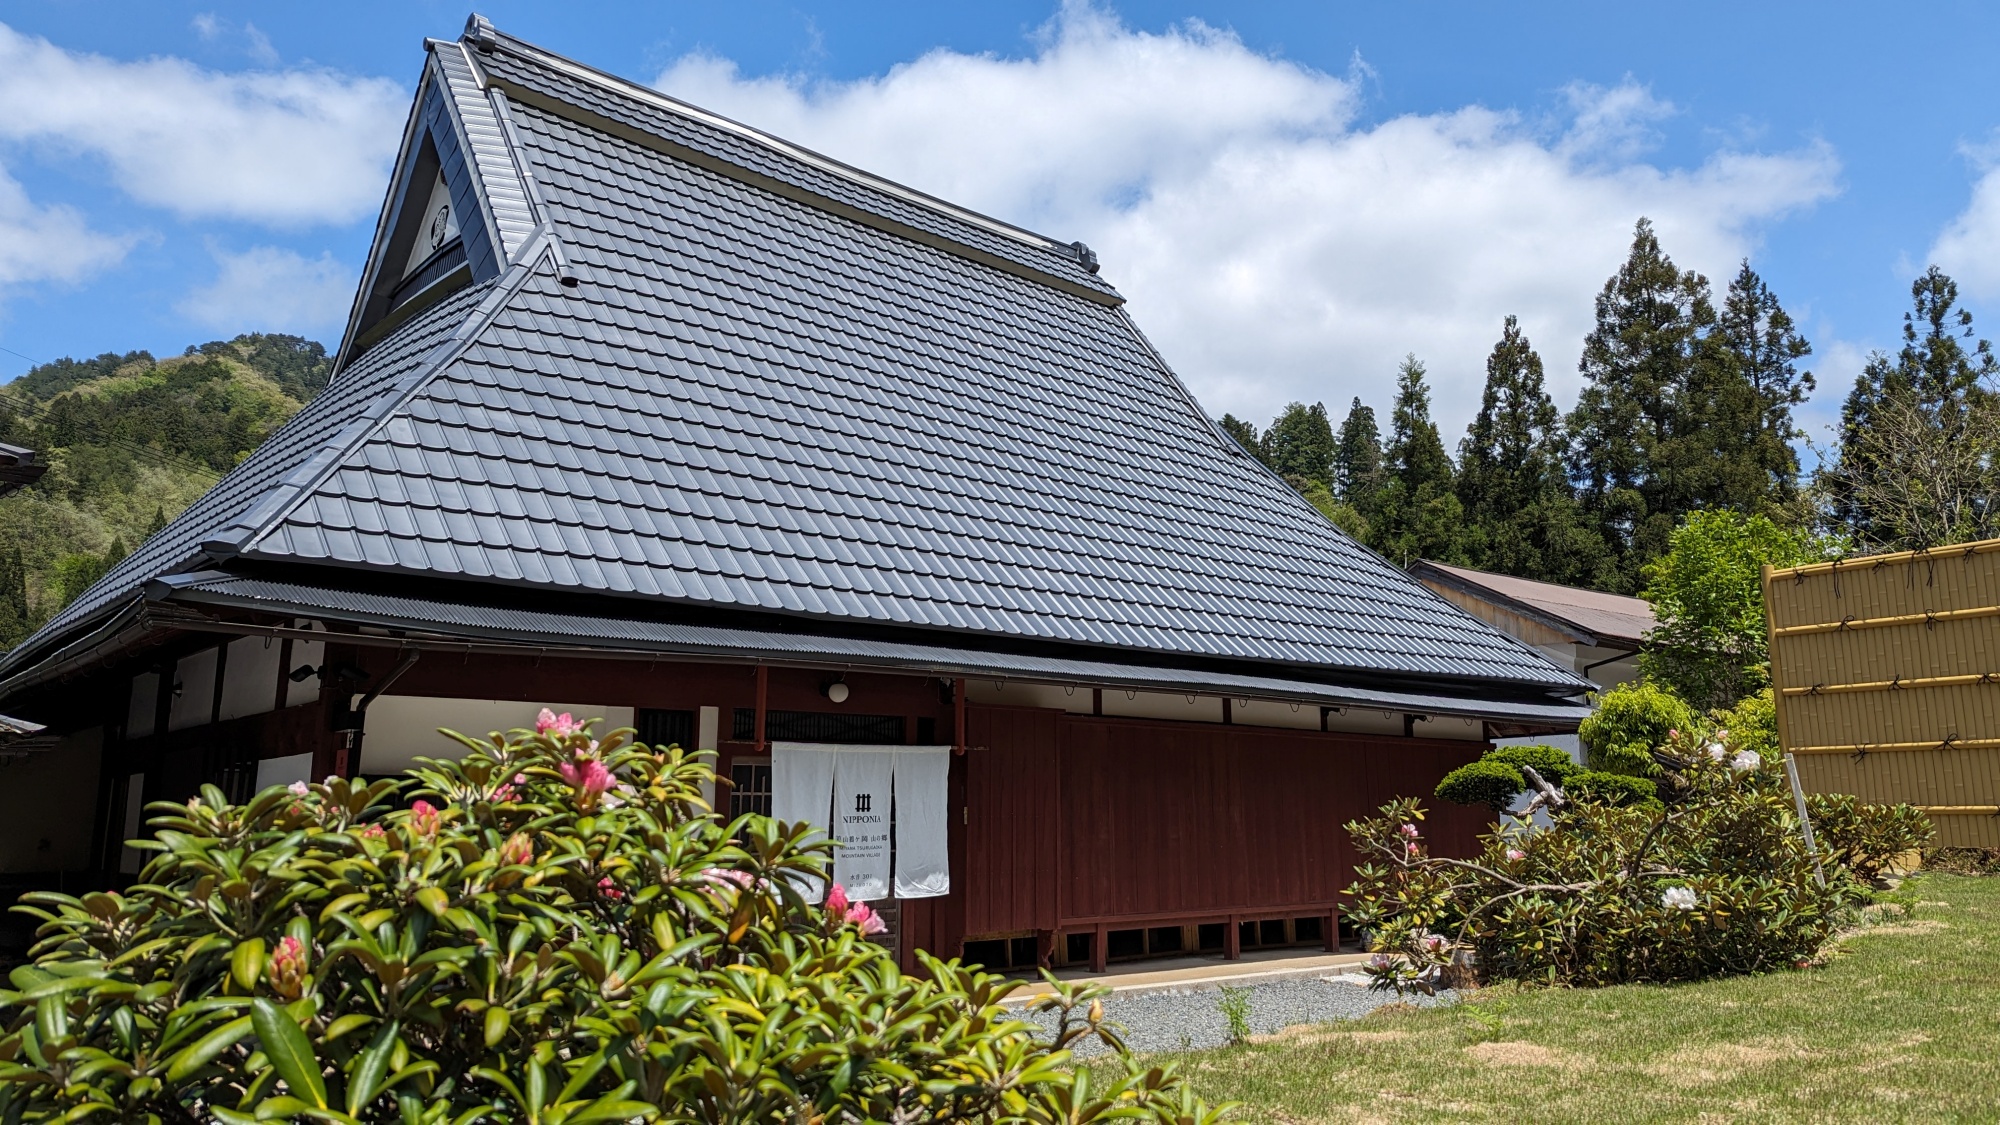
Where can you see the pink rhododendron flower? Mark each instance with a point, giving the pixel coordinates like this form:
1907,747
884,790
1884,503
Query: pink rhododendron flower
562,726
609,889
518,849
846,912
724,877
504,794
372,832
425,819
1381,961
1410,848
870,922
590,779
1409,831
298,789
288,968
1516,855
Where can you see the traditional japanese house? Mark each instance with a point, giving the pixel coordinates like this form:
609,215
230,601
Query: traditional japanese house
645,414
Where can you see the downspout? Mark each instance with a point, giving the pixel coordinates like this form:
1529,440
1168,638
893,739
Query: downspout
352,754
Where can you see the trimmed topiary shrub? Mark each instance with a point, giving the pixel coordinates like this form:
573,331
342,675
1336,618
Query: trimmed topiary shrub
1484,782
1615,789
555,930
1553,763
1631,720
1496,779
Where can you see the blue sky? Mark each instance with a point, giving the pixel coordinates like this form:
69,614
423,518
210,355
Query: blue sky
1293,195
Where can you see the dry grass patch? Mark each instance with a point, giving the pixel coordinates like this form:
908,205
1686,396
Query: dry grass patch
1720,1062
1517,1053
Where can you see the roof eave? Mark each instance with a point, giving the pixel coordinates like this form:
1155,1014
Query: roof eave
613,637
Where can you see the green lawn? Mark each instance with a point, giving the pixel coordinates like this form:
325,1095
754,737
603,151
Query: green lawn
1902,1024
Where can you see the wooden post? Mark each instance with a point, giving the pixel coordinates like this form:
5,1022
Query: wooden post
1228,711
763,694
1232,939
1805,822
1097,701
1045,949
1100,951
1333,930
958,716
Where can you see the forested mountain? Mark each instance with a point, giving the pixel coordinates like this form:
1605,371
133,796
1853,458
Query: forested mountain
130,441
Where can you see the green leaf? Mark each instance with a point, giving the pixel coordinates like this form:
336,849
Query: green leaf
366,1081
496,1025
290,1051
246,964
204,1050
347,1025
434,900
607,1110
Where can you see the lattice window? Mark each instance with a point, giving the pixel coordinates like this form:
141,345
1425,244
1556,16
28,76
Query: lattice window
833,727
666,728
750,787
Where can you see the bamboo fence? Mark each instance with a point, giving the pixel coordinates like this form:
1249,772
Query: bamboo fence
1887,677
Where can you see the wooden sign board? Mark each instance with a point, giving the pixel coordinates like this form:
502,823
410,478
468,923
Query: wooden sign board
1887,677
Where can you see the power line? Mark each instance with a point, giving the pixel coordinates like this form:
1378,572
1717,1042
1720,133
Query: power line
36,411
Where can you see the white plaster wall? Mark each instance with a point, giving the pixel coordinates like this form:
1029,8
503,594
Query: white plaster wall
1158,705
1452,727
143,713
48,805
1361,720
250,677
402,728
1269,713
1013,693
194,691
284,771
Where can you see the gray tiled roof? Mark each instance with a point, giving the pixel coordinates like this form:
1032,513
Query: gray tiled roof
749,401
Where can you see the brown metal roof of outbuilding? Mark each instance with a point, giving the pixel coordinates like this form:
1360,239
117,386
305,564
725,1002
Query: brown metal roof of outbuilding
1607,618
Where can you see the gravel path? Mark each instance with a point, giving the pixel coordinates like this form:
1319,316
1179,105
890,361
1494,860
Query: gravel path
1181,1019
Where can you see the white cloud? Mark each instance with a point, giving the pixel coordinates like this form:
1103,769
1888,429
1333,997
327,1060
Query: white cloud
283,147
1272,246
49,243
269,289
256,44
1969,246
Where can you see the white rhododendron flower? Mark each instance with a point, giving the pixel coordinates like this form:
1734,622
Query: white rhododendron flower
1678,898
1745,761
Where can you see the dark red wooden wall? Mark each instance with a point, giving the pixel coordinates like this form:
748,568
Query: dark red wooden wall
1071,821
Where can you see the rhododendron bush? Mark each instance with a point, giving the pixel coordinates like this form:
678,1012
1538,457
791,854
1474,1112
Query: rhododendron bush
1713,878
554,929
